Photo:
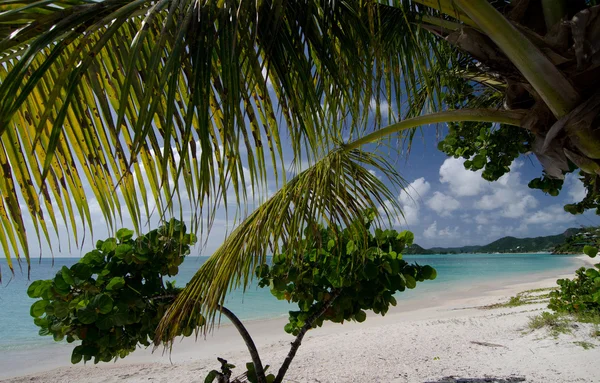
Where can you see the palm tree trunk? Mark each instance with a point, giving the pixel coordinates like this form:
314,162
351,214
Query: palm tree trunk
554,11
552,86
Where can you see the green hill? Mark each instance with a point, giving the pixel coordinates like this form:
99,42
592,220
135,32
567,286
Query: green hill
548,243
575,242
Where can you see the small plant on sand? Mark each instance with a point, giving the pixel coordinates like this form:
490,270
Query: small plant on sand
556,322
114,297
331,279
579,296
585,345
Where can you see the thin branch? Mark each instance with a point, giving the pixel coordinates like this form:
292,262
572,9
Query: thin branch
298,341
258,367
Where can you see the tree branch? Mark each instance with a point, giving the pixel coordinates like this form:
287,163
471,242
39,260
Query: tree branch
298,341
258,367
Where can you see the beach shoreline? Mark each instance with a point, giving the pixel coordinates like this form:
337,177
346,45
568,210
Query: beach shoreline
431,318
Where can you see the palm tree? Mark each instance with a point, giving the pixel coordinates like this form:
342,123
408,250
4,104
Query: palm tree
135,93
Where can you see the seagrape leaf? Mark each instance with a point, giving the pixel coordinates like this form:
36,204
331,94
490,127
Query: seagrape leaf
67,275
407,236
37,289
591,251
103,303
429,272
360,316
124,234
38,308
81,271
87,315
115,283
109,245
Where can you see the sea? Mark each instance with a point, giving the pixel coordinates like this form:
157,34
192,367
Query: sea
454,272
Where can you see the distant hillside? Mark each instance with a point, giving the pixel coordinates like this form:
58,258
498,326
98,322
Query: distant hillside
508,245
575,242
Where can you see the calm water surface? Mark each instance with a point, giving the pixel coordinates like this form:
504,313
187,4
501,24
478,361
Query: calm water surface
454,272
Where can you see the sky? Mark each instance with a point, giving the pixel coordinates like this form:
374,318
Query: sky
447,205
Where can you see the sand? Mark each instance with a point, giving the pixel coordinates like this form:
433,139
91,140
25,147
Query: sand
447,334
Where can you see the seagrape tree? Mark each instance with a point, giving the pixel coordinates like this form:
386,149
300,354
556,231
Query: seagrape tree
113,298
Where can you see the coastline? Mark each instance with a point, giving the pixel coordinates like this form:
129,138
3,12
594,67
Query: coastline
327,352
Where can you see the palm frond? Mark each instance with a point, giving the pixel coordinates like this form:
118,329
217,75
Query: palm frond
112,99
335,190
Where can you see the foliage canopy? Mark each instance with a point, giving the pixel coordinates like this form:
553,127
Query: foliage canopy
114,297
363,276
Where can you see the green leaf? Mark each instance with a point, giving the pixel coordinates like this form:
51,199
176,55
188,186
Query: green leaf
105,322
288,328
429,272
123,249
81,271
279,258
407,236
124,234
212,375
350,247
37,289
61,309
109,245
94,257
330,244
592,273
411,283
360,316
103,303
38,308
87,315
76,355
371,271
478,162
591,251
60,284
67,275
115,283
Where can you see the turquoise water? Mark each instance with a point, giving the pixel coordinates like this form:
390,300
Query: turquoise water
454,272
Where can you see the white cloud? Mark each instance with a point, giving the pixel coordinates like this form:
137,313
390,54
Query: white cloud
462,182
415,191
552,215
373,172
519,208
575,187
508,195
443,204
433,232
384,106
410,200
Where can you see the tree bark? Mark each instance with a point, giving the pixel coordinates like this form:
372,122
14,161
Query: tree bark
258,367
298,341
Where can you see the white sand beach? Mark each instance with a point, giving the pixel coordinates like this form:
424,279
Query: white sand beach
420,341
